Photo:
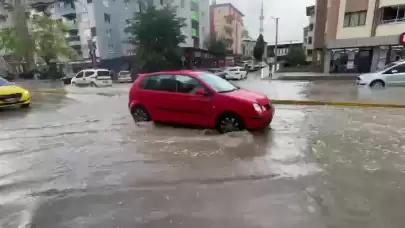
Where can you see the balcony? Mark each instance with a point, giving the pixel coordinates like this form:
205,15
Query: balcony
228,29
73,40
71,24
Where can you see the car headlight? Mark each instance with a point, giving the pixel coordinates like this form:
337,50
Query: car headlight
26,92
257,108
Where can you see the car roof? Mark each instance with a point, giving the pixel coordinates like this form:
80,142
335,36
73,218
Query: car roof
94,69
186,72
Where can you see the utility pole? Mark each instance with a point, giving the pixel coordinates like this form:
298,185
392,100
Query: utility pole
275,47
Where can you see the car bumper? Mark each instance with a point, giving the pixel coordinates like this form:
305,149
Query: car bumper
361,83
103,83
260,121
124,80
15,104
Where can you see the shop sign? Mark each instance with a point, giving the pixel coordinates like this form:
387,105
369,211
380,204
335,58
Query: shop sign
402,38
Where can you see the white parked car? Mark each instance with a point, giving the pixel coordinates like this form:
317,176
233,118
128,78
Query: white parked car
93,78
237,73
124,76
392,74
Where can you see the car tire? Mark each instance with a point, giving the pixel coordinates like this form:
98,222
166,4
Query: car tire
229,122
25,106
140,114
73,83
92,84
377,84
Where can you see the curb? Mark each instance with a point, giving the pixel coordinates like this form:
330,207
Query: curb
53,91
336,103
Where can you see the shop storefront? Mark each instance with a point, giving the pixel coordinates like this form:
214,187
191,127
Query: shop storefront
363,55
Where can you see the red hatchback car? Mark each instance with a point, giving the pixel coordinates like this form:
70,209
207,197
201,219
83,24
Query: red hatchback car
198,98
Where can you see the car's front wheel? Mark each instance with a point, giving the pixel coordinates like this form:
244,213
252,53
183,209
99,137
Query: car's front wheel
140,114
229,122
377,84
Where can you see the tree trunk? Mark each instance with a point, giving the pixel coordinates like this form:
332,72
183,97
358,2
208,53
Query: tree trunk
23,32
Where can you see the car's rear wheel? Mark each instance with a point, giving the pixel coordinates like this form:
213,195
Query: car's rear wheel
140,114
377,84
25,105
229,122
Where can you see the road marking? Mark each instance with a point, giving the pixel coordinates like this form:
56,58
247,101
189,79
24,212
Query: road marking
335,103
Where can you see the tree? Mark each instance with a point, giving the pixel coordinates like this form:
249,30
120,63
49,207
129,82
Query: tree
296,56
11,44
245,34
156,35
216,45
49,36
258,50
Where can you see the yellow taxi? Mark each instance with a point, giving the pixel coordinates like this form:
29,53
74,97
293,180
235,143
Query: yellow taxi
12,95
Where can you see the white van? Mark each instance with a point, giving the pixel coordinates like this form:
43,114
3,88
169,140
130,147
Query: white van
93,78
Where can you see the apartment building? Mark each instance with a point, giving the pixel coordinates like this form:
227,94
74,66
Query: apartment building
248,46
104,21
227,22
309,32
363,35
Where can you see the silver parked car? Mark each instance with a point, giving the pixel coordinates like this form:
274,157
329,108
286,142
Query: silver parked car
124,76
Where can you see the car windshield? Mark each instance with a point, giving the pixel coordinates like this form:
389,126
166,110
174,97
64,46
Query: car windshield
387,66
218,84
4,82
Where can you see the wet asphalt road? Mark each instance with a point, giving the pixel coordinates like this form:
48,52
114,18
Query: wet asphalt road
80,161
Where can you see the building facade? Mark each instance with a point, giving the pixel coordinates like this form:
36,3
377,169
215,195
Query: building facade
309,32
227,22
248,47
104,22
363,35
282,50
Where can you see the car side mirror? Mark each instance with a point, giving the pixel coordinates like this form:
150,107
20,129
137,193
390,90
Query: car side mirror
201,92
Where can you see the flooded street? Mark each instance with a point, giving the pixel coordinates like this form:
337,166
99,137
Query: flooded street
81,161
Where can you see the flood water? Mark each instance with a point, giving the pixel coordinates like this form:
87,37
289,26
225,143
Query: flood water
80,161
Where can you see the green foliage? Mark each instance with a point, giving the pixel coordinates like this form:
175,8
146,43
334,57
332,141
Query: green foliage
156,35
296,56
258,50
11,44
49,36
216,45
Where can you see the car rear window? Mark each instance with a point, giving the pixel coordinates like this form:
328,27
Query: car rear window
103,73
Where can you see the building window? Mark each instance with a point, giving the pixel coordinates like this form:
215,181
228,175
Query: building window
392,14
311,27
194,15
89,1
109,33
107,18
309,40
110,48
355,19
309,52
93,31
182,3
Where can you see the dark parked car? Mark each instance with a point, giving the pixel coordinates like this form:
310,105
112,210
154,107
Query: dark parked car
67,80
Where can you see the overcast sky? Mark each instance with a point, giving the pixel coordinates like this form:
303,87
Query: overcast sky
291,13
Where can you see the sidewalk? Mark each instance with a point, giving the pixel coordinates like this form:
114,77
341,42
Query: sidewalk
313,76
